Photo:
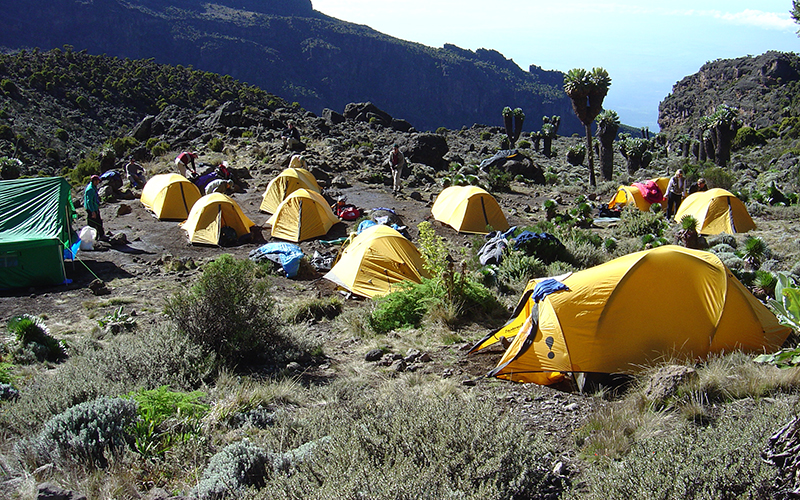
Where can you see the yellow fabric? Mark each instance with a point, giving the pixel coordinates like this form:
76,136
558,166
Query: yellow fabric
717,211
301,216
636,309
170,196
286,183
375,261
469,209
210,214
631,194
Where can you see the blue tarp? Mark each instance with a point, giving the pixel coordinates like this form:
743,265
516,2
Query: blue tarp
288,255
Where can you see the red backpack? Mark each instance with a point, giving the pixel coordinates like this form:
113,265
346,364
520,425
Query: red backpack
349,212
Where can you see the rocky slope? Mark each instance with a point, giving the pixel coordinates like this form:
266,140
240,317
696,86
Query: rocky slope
288,48
764,88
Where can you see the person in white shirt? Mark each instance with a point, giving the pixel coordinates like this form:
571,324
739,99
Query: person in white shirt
676,190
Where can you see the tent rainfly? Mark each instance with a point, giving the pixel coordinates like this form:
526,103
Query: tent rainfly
286,183
717,211
301,216
170,196
469,209
631,311
375,261
633,194
35,230
210,214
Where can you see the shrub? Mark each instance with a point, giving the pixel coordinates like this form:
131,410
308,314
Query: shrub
151,435
159,149
149,358
518,267
229,311
747,137
405,307
719,177
10,168
216,145
86,167
86,432
8,86
232,470
122,145
635,223
34,339
524,144
499,180
441,130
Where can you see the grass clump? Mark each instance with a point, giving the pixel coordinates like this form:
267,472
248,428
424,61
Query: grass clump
314,310
229,312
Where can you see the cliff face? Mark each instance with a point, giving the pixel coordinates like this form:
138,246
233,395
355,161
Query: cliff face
764,88
287,48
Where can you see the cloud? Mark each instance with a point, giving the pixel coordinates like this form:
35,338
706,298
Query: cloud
750,17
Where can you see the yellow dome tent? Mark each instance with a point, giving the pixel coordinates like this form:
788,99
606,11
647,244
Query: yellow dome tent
286,183
210,214
631,194
170,196
375,261
717,211
301,216
469,209
633,310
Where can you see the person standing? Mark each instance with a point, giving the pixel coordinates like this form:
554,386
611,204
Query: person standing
675,192
183,161
396,162
91,202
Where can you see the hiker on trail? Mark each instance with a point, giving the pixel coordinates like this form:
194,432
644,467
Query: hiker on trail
219,186
700,185
135,174
675,192
396,163
290,136
183,160
91,202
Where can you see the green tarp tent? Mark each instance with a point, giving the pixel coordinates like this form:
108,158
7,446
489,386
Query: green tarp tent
35,229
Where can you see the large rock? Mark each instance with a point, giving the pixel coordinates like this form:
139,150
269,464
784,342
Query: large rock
666,381
143,130
428,149
366,111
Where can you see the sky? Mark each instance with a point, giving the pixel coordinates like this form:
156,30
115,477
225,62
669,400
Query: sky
646,46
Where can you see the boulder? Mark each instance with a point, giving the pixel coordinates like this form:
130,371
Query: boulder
143,130
363,111
665,382
332,117
428,149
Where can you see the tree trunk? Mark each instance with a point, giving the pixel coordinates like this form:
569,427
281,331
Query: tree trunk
590,152
725,135
606,135
547,145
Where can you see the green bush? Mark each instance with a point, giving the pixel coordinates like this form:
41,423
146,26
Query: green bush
518,268
229,311
34,340
160,149
86,432
216,145
8,86
441,130
524,144
485,136
156,407
10,168
719,178
747,137
499,180
122,145
635,223
405,307
86,167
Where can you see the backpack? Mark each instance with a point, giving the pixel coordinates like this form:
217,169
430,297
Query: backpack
349,212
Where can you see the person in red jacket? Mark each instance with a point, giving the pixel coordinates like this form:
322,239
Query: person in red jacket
183,161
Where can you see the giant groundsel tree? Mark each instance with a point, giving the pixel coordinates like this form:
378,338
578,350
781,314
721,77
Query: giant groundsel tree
607,128
587,90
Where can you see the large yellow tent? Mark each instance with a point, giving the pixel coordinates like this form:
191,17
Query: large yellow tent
170,196
301,216
631,311
469,209
375,261
632,194
717,211
210,214
286,183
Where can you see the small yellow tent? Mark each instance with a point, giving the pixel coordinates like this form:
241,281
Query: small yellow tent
631,311
717,211
375,261
631,194
303,215
170,196
210,214
286,183
469,209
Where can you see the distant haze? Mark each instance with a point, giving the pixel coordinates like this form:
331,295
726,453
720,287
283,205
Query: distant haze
645,46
